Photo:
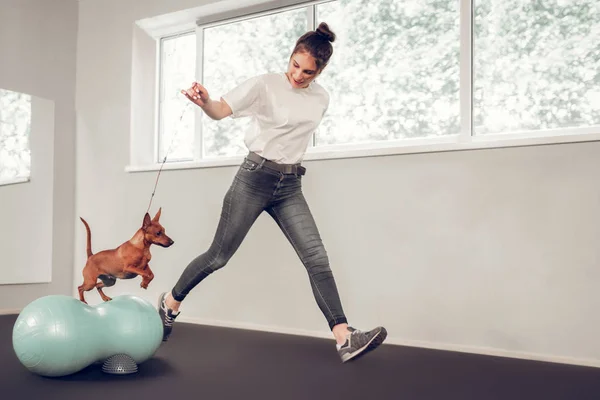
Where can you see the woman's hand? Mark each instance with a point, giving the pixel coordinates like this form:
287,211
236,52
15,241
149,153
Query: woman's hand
197,94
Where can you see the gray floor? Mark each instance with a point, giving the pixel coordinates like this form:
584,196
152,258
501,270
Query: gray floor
217,363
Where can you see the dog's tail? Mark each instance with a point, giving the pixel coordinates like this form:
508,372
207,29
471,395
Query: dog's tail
89,238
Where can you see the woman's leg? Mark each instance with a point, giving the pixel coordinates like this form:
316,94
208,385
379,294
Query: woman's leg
293,216
241,207
244,202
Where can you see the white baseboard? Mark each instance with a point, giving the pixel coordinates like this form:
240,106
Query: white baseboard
9,312
488,351
254,327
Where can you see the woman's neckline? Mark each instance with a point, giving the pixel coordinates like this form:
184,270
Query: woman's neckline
285,76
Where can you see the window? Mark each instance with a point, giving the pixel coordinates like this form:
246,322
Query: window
404,72
15,127
536,65
395,70
178,70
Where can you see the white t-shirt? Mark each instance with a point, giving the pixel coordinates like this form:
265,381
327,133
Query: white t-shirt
283,117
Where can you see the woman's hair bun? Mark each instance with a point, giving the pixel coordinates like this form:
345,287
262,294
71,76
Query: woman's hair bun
324,30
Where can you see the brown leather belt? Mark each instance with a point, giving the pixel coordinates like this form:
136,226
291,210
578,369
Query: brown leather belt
295,169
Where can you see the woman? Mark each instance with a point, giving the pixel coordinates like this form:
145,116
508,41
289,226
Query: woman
286,109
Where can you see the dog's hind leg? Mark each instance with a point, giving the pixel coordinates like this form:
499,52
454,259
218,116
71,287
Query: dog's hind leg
87,285
107,281
99,286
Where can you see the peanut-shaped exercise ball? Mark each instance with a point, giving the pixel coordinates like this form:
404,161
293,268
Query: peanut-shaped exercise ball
60,335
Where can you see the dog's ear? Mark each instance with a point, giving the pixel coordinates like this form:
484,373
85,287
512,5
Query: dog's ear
147,221
157,216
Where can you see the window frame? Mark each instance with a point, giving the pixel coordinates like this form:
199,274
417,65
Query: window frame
464,140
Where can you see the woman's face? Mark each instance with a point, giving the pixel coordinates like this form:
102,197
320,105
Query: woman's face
302,70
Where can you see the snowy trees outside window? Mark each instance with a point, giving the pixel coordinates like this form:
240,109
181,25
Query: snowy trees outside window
15,127
536,65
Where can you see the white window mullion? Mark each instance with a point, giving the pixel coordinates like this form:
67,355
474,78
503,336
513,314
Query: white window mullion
311,17
466,70
158,100
311,22
198,114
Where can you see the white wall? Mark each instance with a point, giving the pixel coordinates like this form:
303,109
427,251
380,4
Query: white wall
491,251
37,46
30,204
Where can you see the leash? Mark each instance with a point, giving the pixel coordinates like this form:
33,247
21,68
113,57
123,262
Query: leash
165,158
188,104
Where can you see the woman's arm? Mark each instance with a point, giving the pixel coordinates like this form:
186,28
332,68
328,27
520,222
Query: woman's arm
215,109
218,109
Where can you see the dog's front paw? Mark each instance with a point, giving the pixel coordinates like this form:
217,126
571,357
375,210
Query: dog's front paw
144,285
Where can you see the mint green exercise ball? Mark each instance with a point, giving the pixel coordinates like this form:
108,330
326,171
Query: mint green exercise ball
60,335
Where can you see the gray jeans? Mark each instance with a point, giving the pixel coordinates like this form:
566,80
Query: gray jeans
257,188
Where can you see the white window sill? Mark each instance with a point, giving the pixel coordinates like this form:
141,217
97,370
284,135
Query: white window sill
404,146
13,181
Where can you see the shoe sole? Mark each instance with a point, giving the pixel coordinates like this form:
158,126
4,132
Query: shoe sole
375,342
160,300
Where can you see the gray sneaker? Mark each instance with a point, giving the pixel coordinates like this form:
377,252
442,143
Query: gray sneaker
360,343
167,316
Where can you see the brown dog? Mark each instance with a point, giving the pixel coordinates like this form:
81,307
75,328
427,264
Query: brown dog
126,261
